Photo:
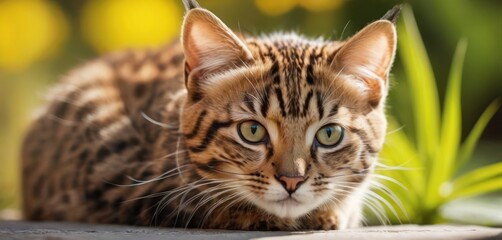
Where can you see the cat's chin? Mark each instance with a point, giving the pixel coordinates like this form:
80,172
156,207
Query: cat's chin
286,208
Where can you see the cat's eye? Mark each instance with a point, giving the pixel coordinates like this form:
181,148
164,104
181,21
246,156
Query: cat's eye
252,131
329,135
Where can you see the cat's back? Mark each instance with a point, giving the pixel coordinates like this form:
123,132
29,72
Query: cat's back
98,123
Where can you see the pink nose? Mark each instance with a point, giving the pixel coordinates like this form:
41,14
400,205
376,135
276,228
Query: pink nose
291,184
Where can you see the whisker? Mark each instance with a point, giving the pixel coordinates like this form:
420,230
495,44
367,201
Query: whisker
377,211
160,124
227,172
63,121
373,204
395,130
168,174
159,193
242,197
184,191
370,201
210,198
344,175
392,196
178,160
216,205
386,203
382,166
390,180
206,192
343,31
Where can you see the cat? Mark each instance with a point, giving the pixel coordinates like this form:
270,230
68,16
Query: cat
217,130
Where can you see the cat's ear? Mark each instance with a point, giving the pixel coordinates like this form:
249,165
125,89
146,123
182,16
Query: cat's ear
368,56
210,47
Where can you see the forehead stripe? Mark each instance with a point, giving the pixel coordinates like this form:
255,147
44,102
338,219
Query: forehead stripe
274,72
333,111
249,103
196,128
278,94
320,105
211,132
364,138
306,105
264,105
310,69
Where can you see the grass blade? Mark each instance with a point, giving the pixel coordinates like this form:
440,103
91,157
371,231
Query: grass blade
478,175
451,128
488,186
422,84
472,140
424,100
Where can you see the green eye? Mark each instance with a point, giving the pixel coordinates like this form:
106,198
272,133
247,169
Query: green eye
329,135
252,131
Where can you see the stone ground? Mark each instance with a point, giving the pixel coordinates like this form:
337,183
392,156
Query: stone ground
75,231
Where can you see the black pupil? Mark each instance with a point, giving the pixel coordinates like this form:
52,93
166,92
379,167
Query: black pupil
329,130
254,128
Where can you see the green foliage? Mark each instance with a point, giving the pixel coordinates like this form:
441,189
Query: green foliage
425,168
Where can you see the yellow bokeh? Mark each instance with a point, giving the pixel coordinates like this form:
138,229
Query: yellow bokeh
278,7
320,5
30,30
117,24
275,7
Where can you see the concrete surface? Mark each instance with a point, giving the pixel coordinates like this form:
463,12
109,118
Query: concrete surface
67,231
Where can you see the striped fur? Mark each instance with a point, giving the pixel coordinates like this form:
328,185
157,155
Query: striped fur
150,137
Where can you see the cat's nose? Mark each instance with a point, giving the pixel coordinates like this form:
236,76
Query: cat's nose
291,184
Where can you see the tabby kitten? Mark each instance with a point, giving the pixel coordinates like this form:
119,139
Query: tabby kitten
219,131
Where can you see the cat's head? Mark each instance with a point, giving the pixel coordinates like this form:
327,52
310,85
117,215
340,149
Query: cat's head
283,122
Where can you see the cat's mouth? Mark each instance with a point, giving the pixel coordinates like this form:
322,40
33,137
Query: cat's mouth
288,207
288,201
284,205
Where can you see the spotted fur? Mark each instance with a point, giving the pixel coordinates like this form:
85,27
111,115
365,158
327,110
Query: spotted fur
150,137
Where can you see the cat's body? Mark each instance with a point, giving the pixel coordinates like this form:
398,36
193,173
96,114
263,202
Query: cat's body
160,137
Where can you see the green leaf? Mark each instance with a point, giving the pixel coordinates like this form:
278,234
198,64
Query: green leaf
478,175
422,85
484,187
425,104
472,140
451,126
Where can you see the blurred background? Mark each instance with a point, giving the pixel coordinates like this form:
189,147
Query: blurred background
40,40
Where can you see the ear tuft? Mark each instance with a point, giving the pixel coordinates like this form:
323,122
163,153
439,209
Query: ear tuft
190,4
393,14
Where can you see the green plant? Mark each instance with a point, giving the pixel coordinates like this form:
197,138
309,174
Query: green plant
421,173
